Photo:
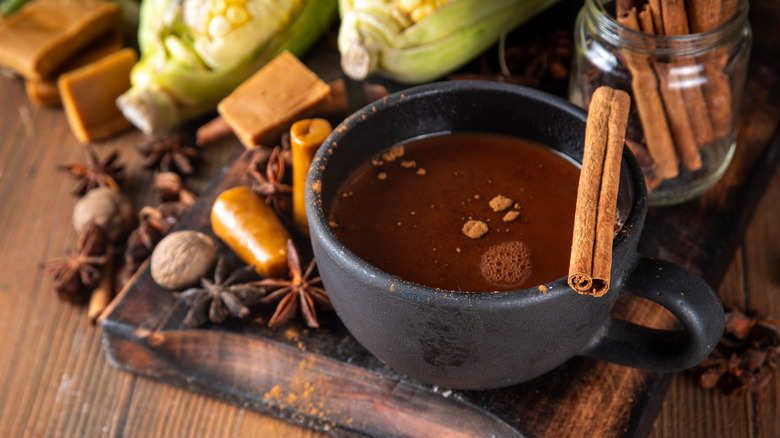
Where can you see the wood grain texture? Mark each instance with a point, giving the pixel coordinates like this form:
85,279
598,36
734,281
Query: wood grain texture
751,282
55,380
144,333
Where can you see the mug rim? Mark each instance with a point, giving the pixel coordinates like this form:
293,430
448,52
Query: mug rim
350,261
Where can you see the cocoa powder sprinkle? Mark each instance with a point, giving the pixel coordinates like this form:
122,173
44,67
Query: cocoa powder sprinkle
500,203
393,153
474,229
511,216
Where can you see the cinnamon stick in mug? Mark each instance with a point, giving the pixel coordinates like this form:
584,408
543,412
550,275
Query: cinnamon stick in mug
594,215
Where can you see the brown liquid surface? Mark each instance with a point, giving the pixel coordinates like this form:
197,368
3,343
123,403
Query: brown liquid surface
405,215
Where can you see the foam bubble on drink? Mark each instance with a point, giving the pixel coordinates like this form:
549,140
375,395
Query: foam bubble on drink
506,264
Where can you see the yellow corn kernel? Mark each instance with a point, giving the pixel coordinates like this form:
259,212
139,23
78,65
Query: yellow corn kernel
218,7
221,17
236,15
409,5
417,10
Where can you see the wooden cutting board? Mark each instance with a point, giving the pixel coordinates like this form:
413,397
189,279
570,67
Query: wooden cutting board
325,380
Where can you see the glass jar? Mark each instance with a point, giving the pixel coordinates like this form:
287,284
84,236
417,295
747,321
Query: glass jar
685,92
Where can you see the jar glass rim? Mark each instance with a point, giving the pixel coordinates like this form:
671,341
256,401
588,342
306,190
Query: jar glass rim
687,45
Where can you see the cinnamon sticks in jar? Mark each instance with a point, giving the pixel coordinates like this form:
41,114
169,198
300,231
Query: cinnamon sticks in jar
595,212
683,63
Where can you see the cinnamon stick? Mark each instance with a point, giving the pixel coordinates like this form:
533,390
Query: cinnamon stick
646,163
104,292
705,15
212,131
675,19
623,6
680,125
591,255
336,101
727,9
652,115
645,18
655,11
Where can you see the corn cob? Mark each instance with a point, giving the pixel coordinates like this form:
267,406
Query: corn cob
195,52
415,41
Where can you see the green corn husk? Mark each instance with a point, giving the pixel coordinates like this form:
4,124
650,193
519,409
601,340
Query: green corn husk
378,36
184,72
8,7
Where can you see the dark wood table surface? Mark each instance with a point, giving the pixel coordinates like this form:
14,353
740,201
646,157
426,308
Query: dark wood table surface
54,376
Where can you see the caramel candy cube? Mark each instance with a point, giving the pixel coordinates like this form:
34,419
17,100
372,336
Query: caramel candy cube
269,101
45,91
89,94
43,34
42,92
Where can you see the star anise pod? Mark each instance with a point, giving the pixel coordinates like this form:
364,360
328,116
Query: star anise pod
299,291
75,275
96,172
257,158
168,154
744,358
216,300
527,62
540,57
170,188
268,182
143,239
154,224
286,146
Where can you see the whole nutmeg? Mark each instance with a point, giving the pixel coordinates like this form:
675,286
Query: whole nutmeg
182,258
108,208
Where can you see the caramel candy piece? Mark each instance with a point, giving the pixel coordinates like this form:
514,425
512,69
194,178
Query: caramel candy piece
45,91
269,101
41,36
42,92
251,228
89,94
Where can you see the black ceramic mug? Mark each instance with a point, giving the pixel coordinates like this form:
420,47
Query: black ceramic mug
485,340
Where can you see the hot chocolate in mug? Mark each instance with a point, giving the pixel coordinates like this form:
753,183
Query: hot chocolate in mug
480,340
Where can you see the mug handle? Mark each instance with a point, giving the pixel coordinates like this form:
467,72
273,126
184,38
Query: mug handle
678,290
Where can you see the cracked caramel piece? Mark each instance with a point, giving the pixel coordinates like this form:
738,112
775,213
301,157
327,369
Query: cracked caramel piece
45,91
41,36
269,101
89,94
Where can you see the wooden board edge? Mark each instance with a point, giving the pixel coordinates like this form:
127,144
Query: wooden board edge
346,400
